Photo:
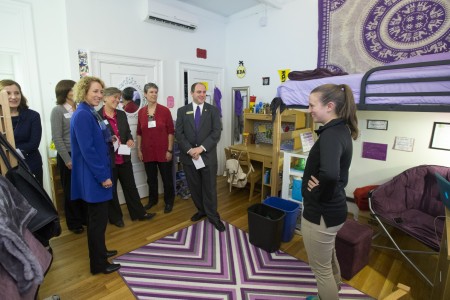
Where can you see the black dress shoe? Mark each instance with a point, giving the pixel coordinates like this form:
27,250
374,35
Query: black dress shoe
147,216
149,205
108,269
111,253
119,223
168,208
197,216
77,230
218,224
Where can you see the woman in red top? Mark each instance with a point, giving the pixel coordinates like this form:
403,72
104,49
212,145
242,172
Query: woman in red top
155,135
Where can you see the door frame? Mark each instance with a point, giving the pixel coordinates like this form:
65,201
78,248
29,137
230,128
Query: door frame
220,71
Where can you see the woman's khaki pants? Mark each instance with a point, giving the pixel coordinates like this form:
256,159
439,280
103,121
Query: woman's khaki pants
319,243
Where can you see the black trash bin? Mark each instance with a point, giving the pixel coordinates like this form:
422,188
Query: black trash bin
265,226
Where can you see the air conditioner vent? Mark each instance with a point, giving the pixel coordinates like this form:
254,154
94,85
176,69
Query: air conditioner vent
172,16
173,23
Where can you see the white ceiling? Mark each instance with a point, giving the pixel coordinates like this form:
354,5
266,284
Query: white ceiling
227,8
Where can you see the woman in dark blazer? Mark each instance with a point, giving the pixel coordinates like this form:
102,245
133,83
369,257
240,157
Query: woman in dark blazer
117,123
26,125
91,169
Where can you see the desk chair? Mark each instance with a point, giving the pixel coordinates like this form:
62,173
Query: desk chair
254,173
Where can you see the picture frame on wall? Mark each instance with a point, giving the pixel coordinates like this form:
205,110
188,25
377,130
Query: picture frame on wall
440,136
377,124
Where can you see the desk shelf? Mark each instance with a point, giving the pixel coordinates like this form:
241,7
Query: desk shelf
289,173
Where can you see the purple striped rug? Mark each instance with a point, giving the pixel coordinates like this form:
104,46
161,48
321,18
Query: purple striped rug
198,262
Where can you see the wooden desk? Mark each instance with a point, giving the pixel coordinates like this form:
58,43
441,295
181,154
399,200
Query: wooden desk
261,153
441,285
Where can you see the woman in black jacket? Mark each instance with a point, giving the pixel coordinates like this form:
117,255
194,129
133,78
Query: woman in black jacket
324,180
117,122
26,125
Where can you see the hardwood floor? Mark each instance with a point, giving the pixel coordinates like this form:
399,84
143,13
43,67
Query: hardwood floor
69,275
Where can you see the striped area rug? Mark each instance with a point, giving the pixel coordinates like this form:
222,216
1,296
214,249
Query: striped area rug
198,262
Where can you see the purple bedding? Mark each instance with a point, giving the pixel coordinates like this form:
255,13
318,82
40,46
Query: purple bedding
297,92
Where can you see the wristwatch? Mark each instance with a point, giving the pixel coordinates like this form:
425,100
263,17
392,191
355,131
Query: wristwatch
170,151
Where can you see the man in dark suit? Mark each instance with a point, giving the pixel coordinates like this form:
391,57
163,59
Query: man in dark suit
197,132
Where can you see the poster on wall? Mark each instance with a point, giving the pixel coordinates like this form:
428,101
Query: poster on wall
403,144
83,65
374,151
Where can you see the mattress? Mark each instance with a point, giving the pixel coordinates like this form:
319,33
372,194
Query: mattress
296,93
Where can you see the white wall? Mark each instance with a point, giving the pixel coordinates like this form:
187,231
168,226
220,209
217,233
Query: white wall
117,27
417,125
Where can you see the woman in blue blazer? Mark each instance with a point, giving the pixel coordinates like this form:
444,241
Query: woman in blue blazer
26,125
91,169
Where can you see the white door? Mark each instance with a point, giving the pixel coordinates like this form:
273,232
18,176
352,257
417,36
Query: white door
212,77
121,72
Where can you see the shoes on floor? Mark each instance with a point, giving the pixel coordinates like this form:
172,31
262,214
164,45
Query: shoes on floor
147,216
197,216
218,224
168,208
149,205
119,223
108,269
111,253
77,230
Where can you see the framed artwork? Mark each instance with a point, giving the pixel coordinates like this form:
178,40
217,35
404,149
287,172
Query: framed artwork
377,124
440,136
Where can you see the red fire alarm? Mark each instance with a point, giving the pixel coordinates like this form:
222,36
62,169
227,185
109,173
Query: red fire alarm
201,53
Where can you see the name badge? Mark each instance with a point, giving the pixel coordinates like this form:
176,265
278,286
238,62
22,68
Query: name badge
152,124
68,115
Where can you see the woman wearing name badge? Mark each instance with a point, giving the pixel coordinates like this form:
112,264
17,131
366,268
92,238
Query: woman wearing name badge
116,121
61,115
155,136
91,169
324,180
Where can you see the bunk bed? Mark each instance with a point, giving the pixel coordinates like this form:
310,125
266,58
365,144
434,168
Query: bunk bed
420,84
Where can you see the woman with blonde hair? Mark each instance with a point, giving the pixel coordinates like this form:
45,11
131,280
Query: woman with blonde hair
324,180
91,169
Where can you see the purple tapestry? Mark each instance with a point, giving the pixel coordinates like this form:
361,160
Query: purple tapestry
355,36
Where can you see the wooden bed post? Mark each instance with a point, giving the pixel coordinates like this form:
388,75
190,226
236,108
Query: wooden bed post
276,140
6,130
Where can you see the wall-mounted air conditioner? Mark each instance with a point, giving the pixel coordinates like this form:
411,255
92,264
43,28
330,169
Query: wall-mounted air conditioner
171,16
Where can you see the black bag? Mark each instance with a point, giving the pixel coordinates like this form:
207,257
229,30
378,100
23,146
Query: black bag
45,224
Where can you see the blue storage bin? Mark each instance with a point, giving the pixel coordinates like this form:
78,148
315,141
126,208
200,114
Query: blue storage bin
291,209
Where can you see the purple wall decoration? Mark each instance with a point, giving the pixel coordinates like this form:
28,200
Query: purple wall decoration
355,36
374,151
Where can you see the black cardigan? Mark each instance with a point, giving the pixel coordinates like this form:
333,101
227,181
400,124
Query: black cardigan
329,161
